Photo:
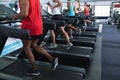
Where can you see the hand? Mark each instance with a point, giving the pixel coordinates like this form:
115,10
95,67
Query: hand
51,7
48,3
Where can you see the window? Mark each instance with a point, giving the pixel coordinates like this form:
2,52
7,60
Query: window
102,11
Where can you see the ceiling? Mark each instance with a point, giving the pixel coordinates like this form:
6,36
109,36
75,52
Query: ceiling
92,2
44,1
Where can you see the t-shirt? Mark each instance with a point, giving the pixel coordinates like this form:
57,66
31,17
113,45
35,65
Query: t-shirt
55,11
33,21
86,11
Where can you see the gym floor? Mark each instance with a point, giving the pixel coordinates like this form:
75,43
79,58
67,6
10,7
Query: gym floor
111,52
106,63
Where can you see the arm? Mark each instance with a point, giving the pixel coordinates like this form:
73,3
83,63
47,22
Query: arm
48,3
68,5
76,7
59,3
24,6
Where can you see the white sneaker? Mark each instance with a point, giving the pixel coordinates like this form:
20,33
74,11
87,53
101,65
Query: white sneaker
79,32
55,63
53,45
69,46
71,37
85,27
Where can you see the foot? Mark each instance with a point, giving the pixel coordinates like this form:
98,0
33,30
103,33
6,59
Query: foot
69,46
32,72
55,63
53,46
85,27
71,37
79,31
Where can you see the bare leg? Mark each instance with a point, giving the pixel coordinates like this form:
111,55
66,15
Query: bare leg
28,52
70,31
72,27
27,48
88,21
65,34
41,50
52,36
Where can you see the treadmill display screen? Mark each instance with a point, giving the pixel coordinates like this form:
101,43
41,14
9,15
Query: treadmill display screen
10,46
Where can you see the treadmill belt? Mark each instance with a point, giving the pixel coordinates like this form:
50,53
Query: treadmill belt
90,34
73,49
18,68
79,39
86,34
84,38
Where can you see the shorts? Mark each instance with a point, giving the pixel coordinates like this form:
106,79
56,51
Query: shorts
70,19
35,37
60,22
87,17
57,17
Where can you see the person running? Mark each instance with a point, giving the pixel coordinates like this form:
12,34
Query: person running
86,13
30,13
77,8
55,7
71,13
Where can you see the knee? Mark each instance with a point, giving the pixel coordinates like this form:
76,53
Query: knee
26,48
33,46
61,29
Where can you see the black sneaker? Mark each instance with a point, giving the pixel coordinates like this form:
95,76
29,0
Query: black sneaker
32,72
55,63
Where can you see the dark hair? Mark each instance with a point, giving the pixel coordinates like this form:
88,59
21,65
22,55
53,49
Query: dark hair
85,3
88,5
78,1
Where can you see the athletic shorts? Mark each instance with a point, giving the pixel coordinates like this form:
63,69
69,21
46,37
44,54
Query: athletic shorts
57,17
87,17
35,37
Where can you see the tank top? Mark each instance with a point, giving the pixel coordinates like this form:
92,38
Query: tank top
55,11
86,12
33,21
71,11
77,5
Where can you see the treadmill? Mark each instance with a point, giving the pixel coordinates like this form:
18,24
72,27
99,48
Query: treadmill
79,41
78,22
71,20
13,68
91,27
82,40
78,56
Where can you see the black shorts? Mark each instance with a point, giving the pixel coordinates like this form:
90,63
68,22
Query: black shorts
87,17
70,19
35,37
57,17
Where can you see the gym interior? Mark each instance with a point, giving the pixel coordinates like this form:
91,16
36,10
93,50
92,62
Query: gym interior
93,56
